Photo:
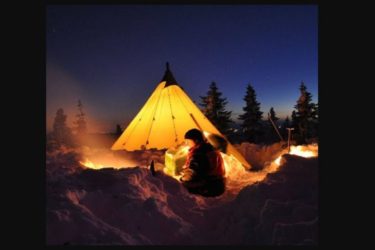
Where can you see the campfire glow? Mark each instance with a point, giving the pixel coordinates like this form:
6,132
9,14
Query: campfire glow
237,176
303,151
89,164
106,163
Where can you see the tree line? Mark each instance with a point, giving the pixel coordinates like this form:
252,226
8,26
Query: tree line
253,128
62,133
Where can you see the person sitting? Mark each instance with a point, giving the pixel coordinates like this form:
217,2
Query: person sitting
203,172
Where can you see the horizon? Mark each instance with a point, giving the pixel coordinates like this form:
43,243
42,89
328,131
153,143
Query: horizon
236,123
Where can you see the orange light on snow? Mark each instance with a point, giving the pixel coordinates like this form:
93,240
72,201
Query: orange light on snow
107,163
89,164
303,151
277,161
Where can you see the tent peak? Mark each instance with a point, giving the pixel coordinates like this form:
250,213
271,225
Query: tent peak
168,77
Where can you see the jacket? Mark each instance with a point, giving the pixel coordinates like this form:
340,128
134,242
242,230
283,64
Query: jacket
203,162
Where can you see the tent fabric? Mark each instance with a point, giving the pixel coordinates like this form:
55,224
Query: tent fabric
164,119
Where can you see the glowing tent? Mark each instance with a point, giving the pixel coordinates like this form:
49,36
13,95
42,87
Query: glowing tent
165,118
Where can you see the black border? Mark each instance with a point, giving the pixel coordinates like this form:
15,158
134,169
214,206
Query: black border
28,223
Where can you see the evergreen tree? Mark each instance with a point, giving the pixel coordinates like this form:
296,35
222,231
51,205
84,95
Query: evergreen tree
315,119
315,112
294,124
294,120
81,126
286,124
272,134
273,115
61,132
252,118
118,130
305,115
214,109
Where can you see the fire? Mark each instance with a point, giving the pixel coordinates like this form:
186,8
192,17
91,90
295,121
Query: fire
278,160
303,151
89,164
237,176
107,163
235,171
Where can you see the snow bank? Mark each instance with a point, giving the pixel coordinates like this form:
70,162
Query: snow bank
259,155
129,206
273,211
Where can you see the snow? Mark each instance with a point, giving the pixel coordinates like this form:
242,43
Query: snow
129,206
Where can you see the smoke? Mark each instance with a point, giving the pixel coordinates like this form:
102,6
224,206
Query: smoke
95,151
63,90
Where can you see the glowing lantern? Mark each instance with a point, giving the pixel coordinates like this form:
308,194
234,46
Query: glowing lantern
175,160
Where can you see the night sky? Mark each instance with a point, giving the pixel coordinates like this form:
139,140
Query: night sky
112,57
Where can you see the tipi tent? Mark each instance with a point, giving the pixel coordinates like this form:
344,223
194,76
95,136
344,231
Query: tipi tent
165,118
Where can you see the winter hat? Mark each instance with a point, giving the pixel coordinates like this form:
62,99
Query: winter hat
195,135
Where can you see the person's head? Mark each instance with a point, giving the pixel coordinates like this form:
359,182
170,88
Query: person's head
193,137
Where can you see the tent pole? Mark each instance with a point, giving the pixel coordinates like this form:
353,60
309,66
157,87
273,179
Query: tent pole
195,121
273,124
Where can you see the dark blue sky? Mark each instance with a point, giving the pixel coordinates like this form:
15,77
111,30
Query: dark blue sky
112,57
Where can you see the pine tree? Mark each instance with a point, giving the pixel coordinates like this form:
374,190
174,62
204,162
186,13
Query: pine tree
252,118
294,120
273,136
61,132
81,126
315,112
214,109
305,115
118,129
315,118
286,124
273,115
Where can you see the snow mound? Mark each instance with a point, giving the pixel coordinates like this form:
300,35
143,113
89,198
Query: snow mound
259,155
130,206
272,211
